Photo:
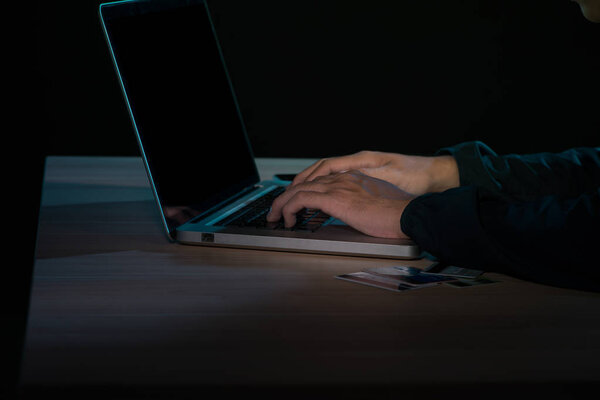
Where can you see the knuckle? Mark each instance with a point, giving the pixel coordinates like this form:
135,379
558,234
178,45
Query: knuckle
279,202
302,196
289,209
366,153
350,174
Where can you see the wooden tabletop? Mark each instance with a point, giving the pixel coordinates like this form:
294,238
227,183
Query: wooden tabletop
116,306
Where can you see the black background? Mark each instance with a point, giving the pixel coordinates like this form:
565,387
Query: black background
314,79
322,78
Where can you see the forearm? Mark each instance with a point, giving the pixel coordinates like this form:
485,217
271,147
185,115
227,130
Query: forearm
549,240
568,173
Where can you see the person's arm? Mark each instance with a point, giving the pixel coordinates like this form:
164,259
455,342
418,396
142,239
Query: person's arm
551,240
413,174
568,173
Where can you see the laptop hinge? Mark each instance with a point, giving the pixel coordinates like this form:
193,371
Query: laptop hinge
225,203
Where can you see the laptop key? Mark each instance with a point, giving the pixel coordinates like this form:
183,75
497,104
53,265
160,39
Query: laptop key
255,215
252,211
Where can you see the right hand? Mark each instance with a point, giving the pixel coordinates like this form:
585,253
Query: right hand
416,175
370,205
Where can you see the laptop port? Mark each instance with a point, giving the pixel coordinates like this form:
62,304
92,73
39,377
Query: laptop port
208,237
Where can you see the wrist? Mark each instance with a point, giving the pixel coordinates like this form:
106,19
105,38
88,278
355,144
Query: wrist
443,174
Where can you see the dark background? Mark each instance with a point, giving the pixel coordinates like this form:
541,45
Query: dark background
314,79
322,78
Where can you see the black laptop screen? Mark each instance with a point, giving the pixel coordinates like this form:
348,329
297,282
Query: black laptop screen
184,110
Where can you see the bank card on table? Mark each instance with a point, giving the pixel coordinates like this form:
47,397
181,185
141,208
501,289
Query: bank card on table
396,278
439,268
464,283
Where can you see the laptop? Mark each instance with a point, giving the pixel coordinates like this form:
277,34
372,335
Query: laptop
193,140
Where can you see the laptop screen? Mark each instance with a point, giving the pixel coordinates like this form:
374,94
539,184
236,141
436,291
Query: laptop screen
183,107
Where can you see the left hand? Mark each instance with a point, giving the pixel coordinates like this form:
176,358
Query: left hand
370,205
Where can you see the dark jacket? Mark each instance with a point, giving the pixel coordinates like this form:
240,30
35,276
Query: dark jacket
536,216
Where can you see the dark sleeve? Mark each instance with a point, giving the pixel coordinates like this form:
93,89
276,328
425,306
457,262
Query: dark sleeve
551,240
532,216
568,173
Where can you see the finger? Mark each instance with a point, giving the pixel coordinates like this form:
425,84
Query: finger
323,167
275,213
301,177
327,166
341,164
301,200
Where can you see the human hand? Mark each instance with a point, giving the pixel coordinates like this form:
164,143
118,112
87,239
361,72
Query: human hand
370,205
416,175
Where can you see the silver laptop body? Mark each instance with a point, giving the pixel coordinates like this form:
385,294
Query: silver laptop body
193,140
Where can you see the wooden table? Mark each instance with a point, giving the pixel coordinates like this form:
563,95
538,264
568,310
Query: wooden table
117,309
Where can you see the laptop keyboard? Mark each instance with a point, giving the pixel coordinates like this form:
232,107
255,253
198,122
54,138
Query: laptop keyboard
255,213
